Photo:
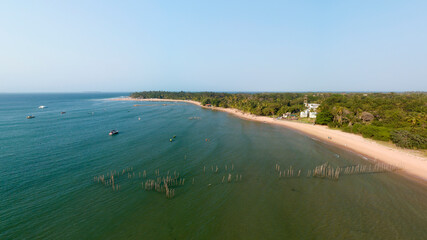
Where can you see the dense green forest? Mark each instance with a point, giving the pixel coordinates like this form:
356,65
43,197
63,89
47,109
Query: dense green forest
397,117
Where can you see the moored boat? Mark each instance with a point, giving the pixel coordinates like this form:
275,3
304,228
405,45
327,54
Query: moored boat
30,116
113,132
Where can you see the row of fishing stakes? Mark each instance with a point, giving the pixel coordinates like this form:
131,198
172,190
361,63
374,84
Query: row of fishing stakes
325,171
290,172
329,172
163,185
376,168
107,182
230,178
109,178
226,168
160,184
216,169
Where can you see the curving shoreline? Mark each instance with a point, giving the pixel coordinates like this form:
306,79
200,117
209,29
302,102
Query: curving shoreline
409,163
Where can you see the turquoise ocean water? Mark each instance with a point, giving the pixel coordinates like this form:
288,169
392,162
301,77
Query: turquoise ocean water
48,165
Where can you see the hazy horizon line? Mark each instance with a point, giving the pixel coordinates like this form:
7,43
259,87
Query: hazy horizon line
128,92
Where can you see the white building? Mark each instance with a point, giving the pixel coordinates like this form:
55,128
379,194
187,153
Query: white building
304,113
310,111
313,114
312,106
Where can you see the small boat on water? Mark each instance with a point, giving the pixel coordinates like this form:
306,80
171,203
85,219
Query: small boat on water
30,116
113,132
63,112
41,107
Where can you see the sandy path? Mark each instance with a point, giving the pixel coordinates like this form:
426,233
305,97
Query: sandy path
411,164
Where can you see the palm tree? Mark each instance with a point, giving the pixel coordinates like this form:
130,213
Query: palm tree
413,119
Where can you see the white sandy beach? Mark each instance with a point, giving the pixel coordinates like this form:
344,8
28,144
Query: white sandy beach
409,163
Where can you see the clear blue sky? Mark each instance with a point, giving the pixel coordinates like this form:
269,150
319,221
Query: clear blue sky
59,46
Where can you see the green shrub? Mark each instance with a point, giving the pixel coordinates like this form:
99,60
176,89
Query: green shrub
347,129
324,117
406,139
356,128
333,125
377,133
216,102
206,101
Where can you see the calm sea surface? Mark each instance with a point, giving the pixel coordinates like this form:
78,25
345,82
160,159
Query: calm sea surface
48,165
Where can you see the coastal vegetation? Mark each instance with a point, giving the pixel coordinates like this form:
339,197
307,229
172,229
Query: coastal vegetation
262,104
397,117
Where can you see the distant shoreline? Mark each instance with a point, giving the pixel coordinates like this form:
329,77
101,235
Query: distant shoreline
408,162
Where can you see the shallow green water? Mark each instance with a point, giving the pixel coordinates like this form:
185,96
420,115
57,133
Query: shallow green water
48,164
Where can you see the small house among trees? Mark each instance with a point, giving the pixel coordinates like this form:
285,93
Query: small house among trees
310,111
